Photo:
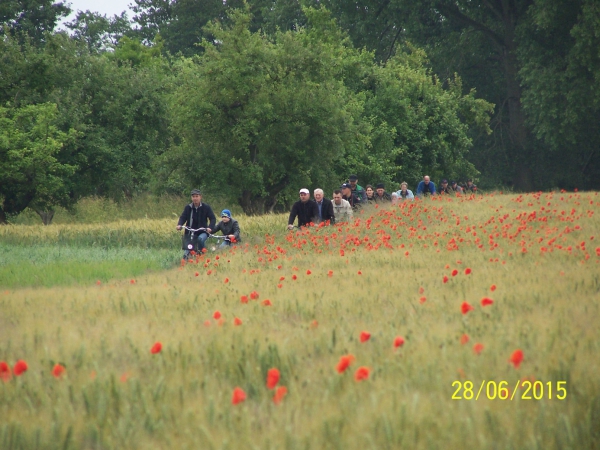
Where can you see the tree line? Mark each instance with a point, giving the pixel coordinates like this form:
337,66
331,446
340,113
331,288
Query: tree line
252,99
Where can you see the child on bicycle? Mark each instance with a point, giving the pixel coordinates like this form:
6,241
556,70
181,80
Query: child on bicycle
229,227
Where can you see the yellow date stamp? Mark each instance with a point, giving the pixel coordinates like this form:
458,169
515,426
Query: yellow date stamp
501,390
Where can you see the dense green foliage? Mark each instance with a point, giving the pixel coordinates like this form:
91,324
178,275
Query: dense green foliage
254,103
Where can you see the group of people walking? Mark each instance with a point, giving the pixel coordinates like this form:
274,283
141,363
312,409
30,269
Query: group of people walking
200,222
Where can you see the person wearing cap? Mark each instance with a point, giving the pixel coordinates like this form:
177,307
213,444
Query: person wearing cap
444,188
426,186
349,196
341,208
357,190
195,215
229,227
305,209
455,187
325,207
404,193
380,195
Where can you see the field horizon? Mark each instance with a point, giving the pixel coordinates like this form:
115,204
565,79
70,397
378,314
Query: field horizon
417,300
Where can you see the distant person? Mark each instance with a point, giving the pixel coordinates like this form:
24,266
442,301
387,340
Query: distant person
341,208
229,227
455,187
426,187
349,196
305,209
195,216
394,196
325,207
470,186
370,193
380,195
404,193
445,188
357,190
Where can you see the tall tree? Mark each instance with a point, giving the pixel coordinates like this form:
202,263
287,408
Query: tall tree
31,18
98,31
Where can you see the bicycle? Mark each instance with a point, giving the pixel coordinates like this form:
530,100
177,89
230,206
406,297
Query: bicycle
191,243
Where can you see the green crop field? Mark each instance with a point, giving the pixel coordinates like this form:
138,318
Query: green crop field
450,323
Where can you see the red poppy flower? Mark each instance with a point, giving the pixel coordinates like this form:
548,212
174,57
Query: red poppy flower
280,392
267,302
294,277
244,299
272,378
344,363
207,323
516,358
308,272
254,295
468,271
365,336
237,321
465,308
330,273
156,348
20,367
422,300
486,301
477,348
362,373
281,278
217,315
493,287
5,374
421,290
445,279
58,370
359,272
398,342
226,280
454,272
280,286
314,324
98,282
238,396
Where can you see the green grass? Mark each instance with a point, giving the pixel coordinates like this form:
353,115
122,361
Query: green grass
47,266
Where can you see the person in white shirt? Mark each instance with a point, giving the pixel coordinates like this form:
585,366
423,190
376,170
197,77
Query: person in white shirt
404,193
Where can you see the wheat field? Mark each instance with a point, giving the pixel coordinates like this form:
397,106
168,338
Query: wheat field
373,327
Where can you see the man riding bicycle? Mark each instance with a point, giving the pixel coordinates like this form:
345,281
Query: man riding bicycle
194,216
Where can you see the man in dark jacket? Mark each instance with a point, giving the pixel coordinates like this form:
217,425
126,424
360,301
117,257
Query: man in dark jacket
305,209
194,216
380,195
229,227
349,196
325,207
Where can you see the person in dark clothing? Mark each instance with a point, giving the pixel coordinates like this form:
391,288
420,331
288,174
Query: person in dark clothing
195,216
370,193
325,207
470,187
455,187
229,227
349,196
380,195
357,190
444,188
305,209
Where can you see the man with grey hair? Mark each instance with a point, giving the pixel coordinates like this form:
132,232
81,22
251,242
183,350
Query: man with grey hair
325,207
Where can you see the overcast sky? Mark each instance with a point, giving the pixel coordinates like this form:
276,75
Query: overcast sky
108,7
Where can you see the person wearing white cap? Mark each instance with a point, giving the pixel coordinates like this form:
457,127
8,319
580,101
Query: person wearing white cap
305,209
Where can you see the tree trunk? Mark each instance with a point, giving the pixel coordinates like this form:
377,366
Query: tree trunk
46,216
519,135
